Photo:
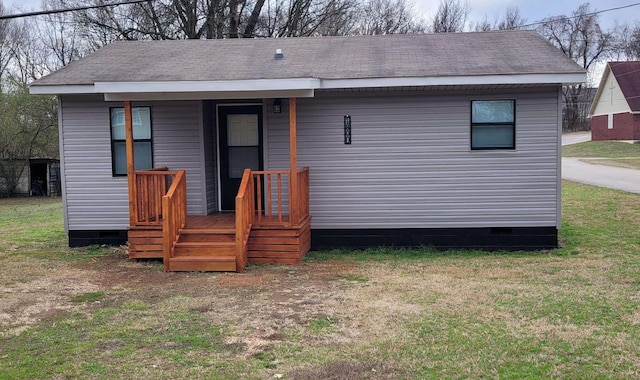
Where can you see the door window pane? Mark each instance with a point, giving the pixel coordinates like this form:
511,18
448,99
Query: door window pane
241,158
242,130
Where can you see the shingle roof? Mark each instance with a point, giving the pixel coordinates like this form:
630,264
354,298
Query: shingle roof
628,76
390,56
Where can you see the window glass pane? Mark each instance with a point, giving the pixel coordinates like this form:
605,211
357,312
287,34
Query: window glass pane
241,158
492,136
242,130
141,117
141,151
493,111
142,155
119,158
117,124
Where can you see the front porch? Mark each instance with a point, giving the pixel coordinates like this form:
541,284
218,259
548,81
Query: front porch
269,221
256,233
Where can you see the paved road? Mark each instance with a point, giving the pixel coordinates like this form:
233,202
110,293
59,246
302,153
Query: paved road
598,175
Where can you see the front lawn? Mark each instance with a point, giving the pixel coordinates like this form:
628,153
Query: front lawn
380,314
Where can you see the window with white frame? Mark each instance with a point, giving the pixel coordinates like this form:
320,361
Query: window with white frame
493,124
142,142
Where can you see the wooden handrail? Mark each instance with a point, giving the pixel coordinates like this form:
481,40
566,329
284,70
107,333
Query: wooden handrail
245,212
150,186
303,193
274,184
158,169
174,210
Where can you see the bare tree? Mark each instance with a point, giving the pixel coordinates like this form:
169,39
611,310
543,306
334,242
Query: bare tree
483,25
627,42
451,16
580,38
296,18
388,17
632,50
511,20
59,37
169,19
10,40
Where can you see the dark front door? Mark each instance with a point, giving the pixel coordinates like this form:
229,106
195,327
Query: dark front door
240,136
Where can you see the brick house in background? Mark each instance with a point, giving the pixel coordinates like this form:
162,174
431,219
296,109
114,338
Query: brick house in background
615,112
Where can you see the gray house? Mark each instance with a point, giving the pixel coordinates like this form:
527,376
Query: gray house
212,153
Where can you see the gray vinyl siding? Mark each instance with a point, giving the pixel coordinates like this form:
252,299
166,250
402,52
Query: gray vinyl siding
210,146
410,164
95,200
177,144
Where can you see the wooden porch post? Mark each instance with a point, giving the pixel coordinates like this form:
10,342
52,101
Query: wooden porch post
128,128
293,164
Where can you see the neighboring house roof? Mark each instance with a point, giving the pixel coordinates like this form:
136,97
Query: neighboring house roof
627,77
498,57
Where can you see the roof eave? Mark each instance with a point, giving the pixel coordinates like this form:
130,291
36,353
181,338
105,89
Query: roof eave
295,87
462,80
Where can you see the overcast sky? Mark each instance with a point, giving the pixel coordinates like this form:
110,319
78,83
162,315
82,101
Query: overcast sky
532,10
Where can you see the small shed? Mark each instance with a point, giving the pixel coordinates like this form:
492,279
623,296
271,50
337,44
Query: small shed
615,111
38,177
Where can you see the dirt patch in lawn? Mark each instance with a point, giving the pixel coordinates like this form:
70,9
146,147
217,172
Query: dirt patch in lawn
29,300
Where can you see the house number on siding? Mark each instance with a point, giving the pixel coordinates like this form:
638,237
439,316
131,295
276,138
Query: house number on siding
347,129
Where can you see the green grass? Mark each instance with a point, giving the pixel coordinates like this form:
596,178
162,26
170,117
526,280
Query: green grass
602,149
30,221
610,153
572,312
88,297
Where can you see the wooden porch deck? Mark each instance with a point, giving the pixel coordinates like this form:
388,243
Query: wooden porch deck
213,221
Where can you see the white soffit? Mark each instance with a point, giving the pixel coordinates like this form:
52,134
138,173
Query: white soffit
255,85
149,96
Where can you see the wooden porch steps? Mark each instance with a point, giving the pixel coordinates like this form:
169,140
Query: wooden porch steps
203,263
208,244
204,249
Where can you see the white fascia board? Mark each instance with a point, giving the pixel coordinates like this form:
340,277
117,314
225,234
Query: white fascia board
253,85
456,80
149,96
262,87
62,89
